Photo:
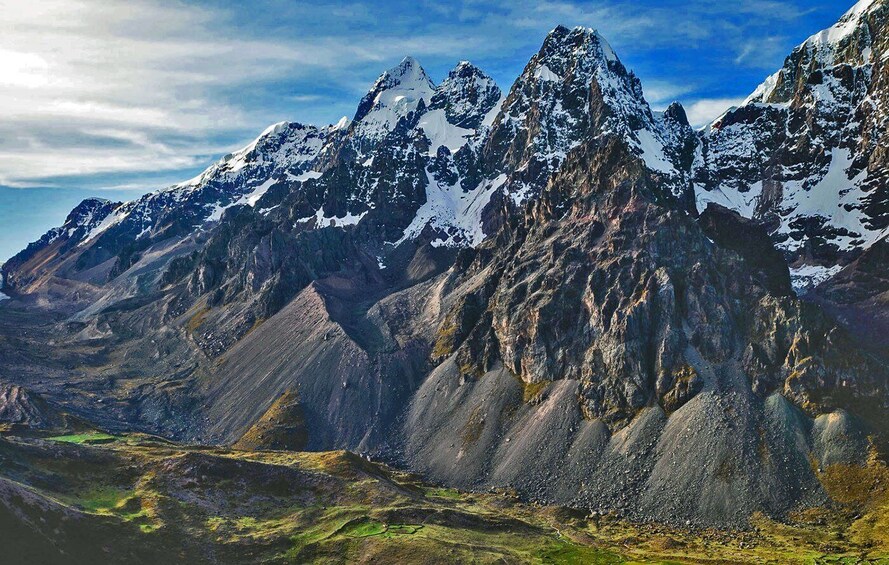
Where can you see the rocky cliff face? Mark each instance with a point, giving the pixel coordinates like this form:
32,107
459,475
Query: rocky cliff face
859,295
573,90
605,333
20,407
537,290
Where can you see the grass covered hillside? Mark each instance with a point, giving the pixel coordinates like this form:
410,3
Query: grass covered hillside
94,497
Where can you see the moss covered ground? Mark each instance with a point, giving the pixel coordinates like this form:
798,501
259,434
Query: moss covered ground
89,437
152,500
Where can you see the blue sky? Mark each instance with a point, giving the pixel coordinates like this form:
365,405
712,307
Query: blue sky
117,98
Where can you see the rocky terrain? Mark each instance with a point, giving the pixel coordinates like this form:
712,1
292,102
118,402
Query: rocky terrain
92,497
552,289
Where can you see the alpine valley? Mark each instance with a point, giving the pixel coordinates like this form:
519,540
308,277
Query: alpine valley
542,324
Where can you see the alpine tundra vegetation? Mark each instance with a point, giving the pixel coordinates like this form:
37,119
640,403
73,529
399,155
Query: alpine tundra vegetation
547,324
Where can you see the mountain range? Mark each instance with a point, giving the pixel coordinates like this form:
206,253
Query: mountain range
554,288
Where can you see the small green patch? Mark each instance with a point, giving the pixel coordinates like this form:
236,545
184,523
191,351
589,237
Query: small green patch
102,500
532,392
572,554
214,523
403,529
445,337
448,493
363,528
246,523
89,438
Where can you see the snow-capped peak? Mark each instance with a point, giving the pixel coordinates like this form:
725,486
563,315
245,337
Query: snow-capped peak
824,49
466,96
581,55
588,41
81,221
399,88
398,92
846,25
284,143
572,66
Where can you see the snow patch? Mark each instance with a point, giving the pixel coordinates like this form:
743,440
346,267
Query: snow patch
544,73
489,118
743,203
653,152
806,277
844,27
249,199
306,176
343,123
258,192
762,92
836,198
110,220
452,211
323,221
442,133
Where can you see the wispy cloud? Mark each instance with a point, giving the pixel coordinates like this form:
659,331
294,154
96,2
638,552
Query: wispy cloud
703,112
142,72
660,93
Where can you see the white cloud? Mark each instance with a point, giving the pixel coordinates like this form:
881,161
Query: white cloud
660,93
69,68
27,70
756,52
702,112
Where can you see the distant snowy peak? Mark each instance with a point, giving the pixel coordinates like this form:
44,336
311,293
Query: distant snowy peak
286,150
563,47
79,224
467,96
85,217
398,92
284,146
408,79
87,212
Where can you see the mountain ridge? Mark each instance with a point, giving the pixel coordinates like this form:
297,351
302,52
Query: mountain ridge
537,290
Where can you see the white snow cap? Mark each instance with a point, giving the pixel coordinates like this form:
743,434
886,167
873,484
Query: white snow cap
821,46
394,95
846,24
589,34
406,81
409,73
